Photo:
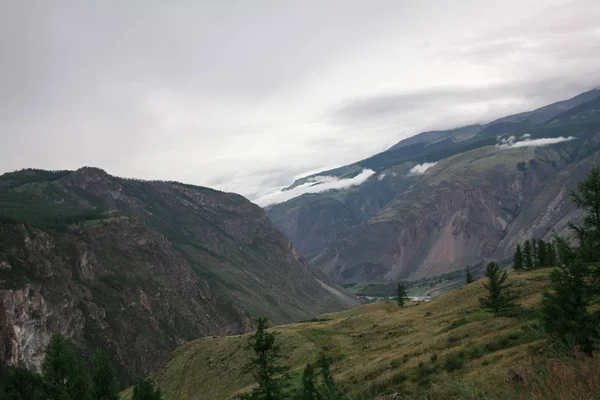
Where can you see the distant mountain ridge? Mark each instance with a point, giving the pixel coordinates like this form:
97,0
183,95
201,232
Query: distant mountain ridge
400,225
140,267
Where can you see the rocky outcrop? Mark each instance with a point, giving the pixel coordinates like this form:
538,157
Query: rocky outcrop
139,268
468,209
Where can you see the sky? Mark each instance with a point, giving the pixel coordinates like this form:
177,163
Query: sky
246,96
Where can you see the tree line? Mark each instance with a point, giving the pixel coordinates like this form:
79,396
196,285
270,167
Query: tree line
569,313
535,253
64,376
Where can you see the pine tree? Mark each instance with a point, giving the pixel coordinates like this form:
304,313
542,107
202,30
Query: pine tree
541,250
587,198
264,365
20,384
551,249
328,390
401,294
500,298
518,261
566,310
105,385
469,276
534,253
568,313
309,384
144,390
66,377
527,255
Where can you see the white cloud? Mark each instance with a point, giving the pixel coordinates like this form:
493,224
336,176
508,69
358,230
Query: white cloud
421,168
316,185
511,142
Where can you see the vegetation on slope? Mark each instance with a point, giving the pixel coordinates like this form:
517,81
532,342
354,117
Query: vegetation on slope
379,347
450,348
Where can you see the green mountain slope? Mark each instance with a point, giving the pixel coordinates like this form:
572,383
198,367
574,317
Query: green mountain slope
140,267
428,348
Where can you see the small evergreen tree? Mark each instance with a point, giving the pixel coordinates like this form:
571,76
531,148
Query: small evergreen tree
551,249
566,309
309,384
587,198
542,254
534,253
518,261
527,255
500,298
20,384
328,390
264,365
144,390
568,313
105,385
401,294
469,276
65,375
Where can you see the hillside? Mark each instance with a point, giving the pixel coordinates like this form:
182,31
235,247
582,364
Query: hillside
438,348
139,268
483,196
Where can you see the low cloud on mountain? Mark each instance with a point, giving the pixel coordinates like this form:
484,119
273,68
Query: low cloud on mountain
524,141
421,168
317,185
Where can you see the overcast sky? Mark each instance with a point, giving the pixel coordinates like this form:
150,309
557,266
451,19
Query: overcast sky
246,95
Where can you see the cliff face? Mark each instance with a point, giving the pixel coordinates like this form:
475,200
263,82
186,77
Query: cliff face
118,285
139,268
482,197
467,209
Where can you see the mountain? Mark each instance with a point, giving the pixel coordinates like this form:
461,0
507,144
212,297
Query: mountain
481,197
425,350
139,267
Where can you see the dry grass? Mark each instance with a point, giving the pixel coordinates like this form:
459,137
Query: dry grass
380,348
566,378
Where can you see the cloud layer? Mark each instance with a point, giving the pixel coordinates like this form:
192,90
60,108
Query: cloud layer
317,184
421,168
513,142
243,97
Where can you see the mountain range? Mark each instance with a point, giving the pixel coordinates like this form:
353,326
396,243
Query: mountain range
138,267
441,200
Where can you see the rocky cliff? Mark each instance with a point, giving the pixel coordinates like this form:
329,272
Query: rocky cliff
139,267
483,196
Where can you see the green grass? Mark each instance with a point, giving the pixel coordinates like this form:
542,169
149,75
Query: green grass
379,347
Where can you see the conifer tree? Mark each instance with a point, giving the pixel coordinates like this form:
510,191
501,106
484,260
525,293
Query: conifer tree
401,294
66,377
501,297
566,309
534,253
541,250
328,390
527,255
309,384
20,384
568,313
144,390
587,198
551,249
105,385
270,376
469,276
518,261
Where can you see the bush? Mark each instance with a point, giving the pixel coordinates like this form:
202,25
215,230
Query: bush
455,361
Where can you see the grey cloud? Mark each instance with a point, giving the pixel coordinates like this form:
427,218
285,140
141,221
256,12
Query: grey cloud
244,96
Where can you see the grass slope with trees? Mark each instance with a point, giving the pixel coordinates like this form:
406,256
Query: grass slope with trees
530,334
